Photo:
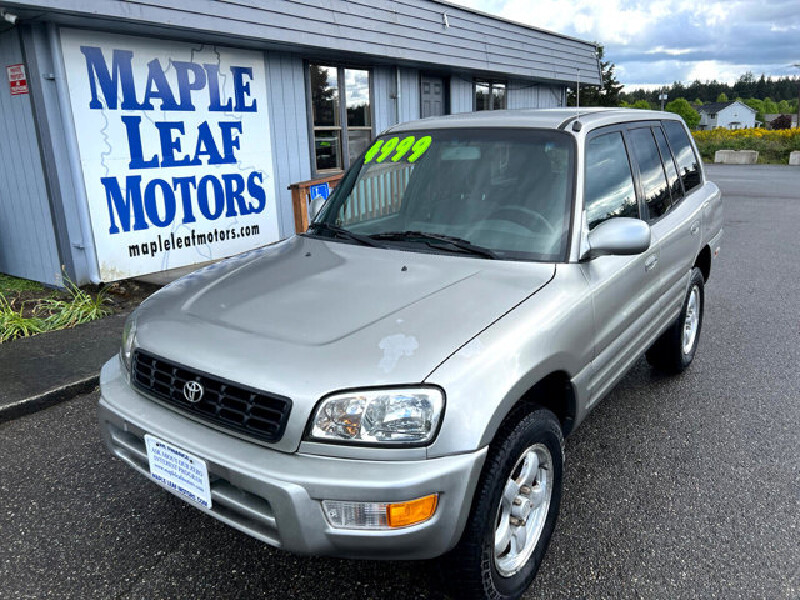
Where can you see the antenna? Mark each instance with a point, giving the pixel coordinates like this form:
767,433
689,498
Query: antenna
576,125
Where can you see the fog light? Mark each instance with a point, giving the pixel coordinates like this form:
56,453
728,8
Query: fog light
376,515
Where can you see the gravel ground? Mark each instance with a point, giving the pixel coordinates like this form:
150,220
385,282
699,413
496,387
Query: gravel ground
675,488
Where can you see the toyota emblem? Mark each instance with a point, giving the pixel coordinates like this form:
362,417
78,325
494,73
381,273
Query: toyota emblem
193,391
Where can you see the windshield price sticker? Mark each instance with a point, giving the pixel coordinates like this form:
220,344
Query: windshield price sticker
398,149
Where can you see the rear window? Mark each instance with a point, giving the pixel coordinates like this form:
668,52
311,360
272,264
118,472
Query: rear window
669,165
688,165
653,179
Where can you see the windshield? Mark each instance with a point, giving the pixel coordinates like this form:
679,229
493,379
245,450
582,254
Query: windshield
491,193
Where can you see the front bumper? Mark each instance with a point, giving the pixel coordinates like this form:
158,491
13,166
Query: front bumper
276,497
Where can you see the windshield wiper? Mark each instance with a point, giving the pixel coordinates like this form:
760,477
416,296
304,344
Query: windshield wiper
435,240
337,231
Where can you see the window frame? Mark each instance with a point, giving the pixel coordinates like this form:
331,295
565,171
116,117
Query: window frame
644,210
342,128
675,201
692,147
491,83
622,129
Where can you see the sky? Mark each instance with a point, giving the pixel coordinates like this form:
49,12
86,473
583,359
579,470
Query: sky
657,42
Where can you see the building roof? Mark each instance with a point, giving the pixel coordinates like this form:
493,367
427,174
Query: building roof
715,107
542,118
426,34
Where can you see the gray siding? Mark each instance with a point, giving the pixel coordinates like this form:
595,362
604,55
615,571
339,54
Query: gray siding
409,94
384,84
50,121
461,91
289,128
27,241
398,30
527,94
552,96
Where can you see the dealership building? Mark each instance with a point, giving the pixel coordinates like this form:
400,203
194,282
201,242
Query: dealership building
138,136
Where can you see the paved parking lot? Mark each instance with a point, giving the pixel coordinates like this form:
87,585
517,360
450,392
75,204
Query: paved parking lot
675,488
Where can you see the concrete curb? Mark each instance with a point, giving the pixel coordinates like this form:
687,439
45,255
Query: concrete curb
48,398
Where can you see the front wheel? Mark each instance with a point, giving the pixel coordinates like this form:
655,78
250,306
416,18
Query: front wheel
513,514
675,349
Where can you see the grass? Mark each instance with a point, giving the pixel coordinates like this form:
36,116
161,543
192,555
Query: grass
79,308
14,325
22,318
9,283
773,146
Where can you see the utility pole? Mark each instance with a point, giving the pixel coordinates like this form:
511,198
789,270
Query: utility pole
798,99
663,97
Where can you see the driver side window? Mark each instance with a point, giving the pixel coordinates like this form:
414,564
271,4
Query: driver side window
608,189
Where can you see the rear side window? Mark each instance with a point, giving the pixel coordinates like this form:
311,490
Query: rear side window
688,165
653,179
669,166
609,183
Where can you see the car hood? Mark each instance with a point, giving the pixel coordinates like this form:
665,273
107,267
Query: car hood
307,316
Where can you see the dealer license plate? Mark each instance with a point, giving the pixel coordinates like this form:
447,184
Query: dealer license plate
179,471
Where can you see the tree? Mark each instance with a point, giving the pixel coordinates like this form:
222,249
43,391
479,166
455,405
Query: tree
723,97
784,107
681,107
608,92
758,106
698,102
770,107
781,122
642,105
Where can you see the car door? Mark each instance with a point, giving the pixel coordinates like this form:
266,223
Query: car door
615,283
676,234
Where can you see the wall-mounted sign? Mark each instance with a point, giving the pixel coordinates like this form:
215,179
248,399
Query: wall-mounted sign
175,148
17,80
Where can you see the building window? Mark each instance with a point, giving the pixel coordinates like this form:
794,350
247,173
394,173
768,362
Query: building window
490,95
342,130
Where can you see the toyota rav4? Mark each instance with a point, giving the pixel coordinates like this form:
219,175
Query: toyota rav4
397,381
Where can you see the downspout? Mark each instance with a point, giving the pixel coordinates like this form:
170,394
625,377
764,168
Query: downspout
397,93
86,245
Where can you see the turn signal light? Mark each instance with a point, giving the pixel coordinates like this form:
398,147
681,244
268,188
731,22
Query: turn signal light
404,514
376,515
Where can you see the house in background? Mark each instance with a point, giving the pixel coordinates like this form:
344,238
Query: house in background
730,115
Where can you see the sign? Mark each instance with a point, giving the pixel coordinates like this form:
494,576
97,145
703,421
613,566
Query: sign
321,190
17,79
174,142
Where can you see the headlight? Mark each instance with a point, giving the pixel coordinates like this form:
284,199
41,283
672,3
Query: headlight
403,416
128,336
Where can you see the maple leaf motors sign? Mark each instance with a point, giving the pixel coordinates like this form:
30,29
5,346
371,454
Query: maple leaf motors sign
175,148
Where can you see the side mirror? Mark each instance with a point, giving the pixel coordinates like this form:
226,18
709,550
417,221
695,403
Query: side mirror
621,236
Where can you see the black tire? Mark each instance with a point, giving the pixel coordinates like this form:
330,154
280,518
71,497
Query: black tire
470,567
667,354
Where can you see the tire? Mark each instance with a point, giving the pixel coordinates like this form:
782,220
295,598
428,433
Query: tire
472,568
673,352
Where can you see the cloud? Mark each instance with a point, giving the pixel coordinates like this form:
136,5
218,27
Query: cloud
672,40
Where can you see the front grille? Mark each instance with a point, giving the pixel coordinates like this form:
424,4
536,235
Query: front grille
230,405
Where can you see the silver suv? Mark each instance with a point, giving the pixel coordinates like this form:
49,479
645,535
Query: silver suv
397,382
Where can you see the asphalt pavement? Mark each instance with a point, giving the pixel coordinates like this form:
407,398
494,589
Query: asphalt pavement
683,487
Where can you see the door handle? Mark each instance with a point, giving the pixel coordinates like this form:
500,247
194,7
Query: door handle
695,228
650,262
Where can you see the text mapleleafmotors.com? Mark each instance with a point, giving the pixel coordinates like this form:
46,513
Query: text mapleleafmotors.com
177,242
